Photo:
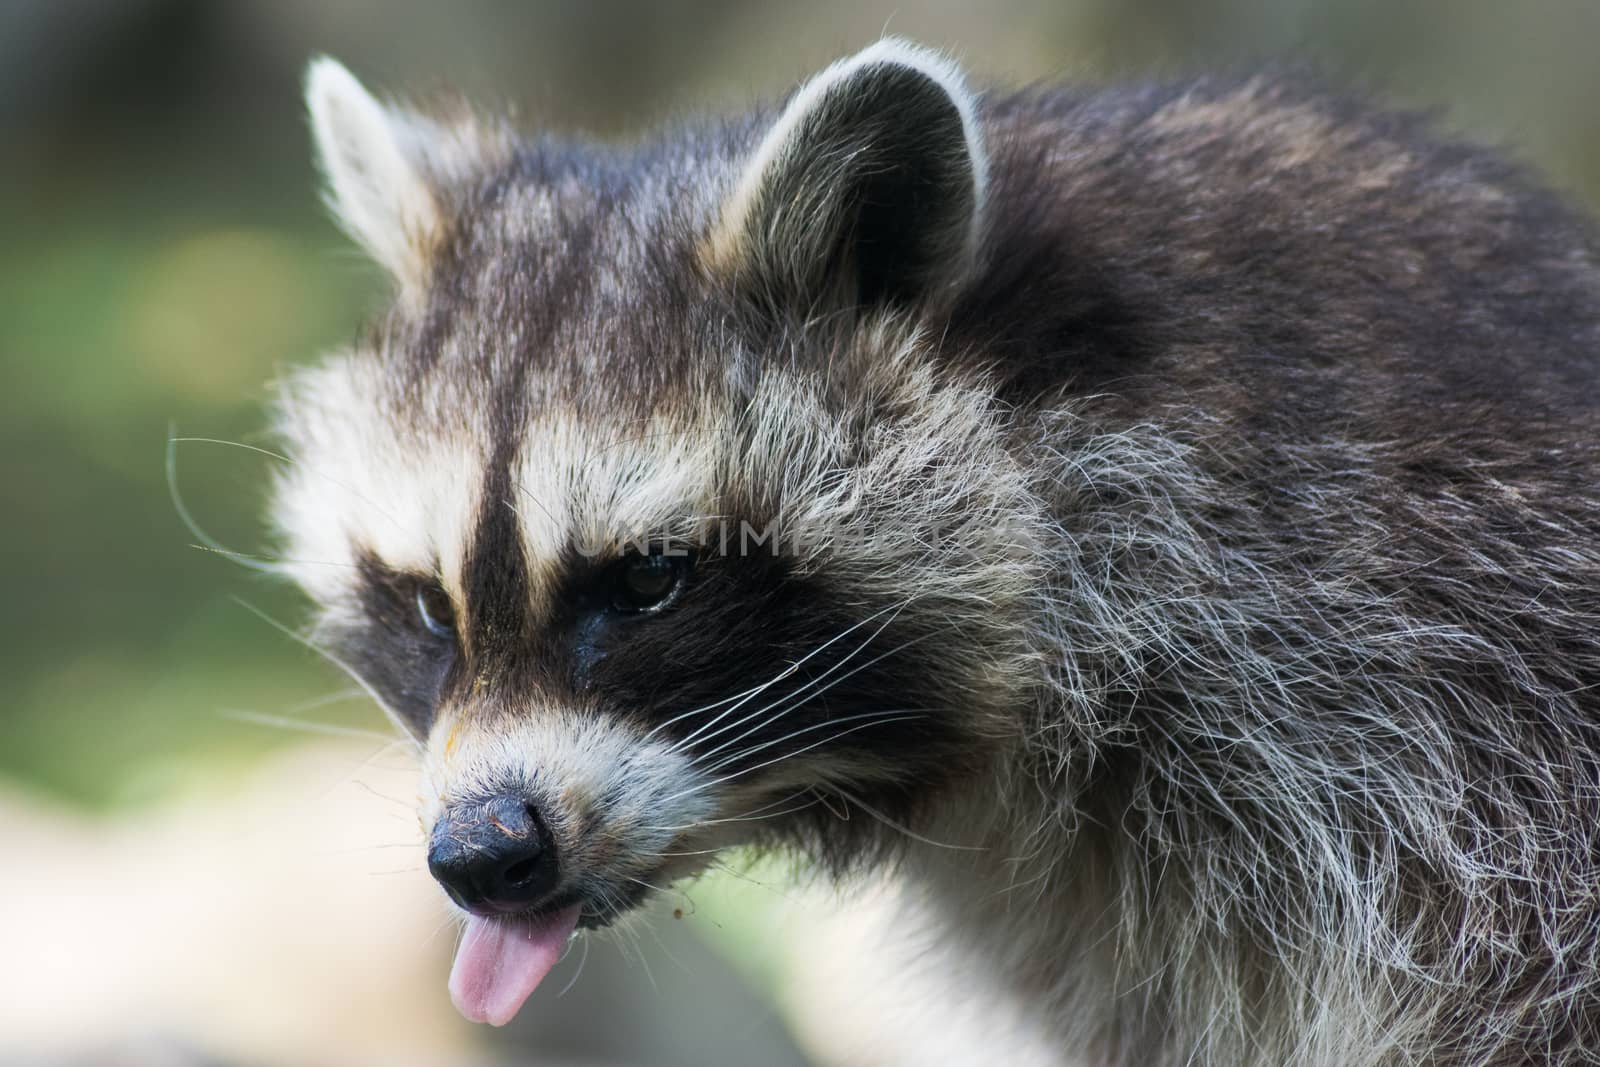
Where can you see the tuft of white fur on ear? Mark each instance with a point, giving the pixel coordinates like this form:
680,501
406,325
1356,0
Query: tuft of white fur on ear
372,157
813,142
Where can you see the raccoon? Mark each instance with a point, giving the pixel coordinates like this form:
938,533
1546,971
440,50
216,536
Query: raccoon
1160,524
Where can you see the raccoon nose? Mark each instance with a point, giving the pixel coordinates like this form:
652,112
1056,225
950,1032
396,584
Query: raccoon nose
493,856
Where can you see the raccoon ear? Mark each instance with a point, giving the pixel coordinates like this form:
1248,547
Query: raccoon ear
373,158
868,188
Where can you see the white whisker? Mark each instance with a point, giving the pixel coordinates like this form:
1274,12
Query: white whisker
891,824
173,440
582,961
331,658
701,787
284,722
797,704
753,815
895,714
206,540
699,733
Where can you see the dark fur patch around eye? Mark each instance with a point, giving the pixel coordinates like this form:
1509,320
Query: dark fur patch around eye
750,665
839,680
390,647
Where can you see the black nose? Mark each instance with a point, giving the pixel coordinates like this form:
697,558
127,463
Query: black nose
493,856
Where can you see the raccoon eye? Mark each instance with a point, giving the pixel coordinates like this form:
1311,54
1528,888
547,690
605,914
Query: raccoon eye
647,582
435,610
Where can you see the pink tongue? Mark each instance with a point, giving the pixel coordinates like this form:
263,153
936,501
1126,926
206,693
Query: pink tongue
500,963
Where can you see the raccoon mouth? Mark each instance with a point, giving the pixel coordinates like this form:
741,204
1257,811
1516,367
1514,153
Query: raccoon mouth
503,958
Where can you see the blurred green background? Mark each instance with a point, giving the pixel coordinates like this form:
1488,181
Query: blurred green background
165,254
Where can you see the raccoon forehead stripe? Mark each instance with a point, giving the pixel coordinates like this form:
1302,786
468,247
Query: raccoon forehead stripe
495,574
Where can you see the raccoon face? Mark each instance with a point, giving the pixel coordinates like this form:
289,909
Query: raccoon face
645,509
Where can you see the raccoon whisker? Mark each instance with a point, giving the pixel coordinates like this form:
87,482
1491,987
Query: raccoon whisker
727,761
700,735
272,561
583,961
655,935
451,919
707,707
796,704
405,805
790,699
842,816
338,696
331,658
644,963
702,786
752,691
230,444
753,815
744,876
756,813
651,885
188,520
566,950
285,722
280,457
891,824
612,902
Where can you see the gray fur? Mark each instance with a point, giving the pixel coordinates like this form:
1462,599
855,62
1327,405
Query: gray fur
1236,502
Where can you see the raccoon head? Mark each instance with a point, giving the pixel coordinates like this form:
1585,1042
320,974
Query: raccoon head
647,508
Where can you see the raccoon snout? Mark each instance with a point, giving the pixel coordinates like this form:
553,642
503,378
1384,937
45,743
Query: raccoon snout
493,856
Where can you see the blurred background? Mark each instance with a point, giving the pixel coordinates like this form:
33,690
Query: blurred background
207,847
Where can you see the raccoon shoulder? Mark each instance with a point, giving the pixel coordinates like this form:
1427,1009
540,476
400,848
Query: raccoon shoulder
1222,241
